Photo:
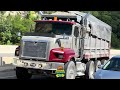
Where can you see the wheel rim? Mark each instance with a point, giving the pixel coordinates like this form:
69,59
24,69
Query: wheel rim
71,73
91,72
98,64
103,62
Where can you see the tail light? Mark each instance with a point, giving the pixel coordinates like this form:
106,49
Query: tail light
17,51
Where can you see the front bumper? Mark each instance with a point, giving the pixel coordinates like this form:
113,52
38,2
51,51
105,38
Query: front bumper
37,64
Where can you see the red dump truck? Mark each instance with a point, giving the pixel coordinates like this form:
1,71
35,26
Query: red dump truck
64,44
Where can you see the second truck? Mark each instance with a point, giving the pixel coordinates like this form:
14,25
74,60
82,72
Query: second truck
73,42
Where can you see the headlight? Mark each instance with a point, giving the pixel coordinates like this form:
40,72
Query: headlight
60,56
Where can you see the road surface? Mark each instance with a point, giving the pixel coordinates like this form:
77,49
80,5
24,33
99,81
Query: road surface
8,72
11,75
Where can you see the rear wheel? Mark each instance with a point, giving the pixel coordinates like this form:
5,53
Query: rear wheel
90,70
97,64
22,73
103,62
70,70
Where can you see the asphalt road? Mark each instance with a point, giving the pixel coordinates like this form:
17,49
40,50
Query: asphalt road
7,74
11,75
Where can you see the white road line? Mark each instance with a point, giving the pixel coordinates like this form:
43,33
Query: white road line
7,77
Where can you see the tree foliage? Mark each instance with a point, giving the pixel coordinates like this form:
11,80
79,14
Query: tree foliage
11,25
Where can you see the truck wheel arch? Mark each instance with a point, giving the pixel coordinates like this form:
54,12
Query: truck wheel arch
71,59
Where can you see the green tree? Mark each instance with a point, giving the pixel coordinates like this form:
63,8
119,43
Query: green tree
11,25
115,42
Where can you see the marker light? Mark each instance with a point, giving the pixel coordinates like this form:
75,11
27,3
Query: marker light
60,68
55,18
62,48
60,56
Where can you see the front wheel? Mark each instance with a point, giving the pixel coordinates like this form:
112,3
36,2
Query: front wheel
22,73
97,64
70,70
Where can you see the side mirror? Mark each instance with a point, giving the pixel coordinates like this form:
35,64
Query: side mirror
83,32
76,32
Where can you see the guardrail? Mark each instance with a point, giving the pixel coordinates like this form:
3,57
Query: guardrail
7,54
6,58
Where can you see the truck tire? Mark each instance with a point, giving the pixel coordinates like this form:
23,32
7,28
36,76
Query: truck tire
103,61
70,70
22,73
90,70
97,64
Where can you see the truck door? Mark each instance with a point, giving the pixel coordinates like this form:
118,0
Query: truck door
76,39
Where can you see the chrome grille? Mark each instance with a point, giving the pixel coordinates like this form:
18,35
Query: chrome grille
34,49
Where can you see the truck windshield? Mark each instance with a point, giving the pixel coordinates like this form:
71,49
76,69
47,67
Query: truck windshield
53,27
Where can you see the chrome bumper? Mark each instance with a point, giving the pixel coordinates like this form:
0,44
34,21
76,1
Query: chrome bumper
36,64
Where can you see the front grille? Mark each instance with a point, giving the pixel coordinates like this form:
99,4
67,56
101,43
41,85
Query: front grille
34,49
